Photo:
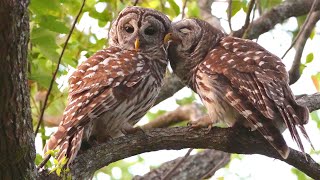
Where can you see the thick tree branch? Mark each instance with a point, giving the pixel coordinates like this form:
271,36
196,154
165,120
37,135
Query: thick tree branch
171,85
205,13
194,167
294,72
229,140
277,15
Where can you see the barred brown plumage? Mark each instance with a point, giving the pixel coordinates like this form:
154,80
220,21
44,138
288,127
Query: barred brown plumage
115,87
238,81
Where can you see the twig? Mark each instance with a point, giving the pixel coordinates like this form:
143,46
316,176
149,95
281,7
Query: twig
294,72
245,27
302,28
168,175
135,2
276,15
183,8
214,169
182,113
229,16
57,69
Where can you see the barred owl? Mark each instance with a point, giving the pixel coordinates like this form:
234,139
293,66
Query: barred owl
239,82
114,88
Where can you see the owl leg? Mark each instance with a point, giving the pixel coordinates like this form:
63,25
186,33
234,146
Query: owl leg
202,122
129,129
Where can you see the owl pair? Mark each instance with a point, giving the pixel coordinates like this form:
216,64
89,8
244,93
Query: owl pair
237,80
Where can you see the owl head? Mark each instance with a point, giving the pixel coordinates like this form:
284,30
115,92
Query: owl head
191,39
138,28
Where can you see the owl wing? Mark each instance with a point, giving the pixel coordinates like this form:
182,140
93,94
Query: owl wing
261,78
94,89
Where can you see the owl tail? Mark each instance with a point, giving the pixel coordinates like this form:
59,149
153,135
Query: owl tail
68,147
264,126
291,119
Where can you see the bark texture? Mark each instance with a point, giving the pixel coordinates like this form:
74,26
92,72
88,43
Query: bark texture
17,150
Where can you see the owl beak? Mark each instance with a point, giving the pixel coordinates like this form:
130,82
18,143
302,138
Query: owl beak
167,38
137,44
170,37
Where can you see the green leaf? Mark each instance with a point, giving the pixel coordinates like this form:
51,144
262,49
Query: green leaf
46,42
193,9
301,68
313,33
152,116
174,6
44,7
315,117
235,7
309,58
266,4
58,171
300,175
53,24
186,100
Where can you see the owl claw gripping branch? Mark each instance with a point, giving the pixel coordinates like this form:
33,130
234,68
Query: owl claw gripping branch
113,89
238,81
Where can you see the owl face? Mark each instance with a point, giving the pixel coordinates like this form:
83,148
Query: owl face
139,28
192,39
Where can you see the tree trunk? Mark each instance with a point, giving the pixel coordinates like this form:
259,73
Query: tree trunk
17,150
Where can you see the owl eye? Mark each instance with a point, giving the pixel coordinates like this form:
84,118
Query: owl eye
150,31
129,29
185,30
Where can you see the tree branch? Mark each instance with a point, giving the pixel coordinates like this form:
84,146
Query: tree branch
277,15
194,167
294,72
205,13
230,140
182,113
171,85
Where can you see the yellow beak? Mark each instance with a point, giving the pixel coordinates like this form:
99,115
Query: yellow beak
137,44
167,38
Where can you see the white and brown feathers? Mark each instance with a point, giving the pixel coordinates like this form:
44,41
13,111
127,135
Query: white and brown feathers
238,82
115,87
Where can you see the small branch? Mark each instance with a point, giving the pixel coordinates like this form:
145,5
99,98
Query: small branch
216,167
294,72
168,175
135,2
229,16
57,69
183,9
247,21
311,101
304,25
182,113
277,15
194,167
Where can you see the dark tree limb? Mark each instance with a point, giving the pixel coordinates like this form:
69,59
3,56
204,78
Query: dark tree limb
230,140
194,167
277,15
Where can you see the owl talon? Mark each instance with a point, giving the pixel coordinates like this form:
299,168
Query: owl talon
129,129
